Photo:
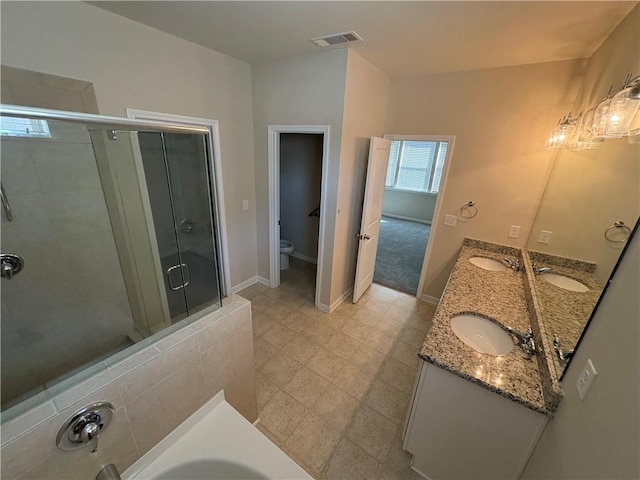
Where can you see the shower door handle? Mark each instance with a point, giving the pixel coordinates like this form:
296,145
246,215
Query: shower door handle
184,269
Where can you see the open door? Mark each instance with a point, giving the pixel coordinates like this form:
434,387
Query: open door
371,213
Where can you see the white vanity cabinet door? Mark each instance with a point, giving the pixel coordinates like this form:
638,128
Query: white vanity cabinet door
459,430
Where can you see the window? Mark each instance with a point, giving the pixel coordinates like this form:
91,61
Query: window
416,165
24,127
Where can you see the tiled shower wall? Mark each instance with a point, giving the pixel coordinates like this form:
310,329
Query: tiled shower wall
152,392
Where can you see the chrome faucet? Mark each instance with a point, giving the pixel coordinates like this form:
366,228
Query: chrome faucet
540,270
512,264
563,356
525,342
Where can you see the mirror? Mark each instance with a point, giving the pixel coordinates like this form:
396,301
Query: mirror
587,192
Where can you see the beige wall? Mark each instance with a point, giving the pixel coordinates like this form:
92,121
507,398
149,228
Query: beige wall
135,66
152,392
591,189
307,90
500,118
417,206
365,102
598,437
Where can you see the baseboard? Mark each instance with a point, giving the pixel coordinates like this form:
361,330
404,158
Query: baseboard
324,308
430,299
263,281
245,284
410,219
341,299
305,258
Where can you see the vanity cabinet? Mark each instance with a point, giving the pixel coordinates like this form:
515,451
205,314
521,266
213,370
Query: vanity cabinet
459,430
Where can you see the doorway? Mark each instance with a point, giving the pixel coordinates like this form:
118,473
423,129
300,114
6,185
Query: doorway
414,182
297,186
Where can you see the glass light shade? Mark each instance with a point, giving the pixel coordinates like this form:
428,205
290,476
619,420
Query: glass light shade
622,111
561,135
600,119
584,138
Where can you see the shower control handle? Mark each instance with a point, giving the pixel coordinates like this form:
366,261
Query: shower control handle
10,264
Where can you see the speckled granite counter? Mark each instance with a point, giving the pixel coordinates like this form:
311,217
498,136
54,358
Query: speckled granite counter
499,296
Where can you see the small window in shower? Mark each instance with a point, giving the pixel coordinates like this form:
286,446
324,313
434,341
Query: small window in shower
24,127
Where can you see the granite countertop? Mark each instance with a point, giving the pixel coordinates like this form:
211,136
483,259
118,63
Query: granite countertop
499,296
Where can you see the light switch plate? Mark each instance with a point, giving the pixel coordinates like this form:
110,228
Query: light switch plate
586,379
514,231
545,236
450,220
245,204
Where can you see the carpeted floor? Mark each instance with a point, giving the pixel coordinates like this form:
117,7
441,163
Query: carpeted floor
401,250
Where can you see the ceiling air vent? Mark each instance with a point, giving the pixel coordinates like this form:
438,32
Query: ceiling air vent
337,39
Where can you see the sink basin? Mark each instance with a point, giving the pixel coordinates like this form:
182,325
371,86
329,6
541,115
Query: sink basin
564,282
481,334
488,264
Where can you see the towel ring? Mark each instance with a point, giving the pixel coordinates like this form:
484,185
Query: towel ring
617,226
469,210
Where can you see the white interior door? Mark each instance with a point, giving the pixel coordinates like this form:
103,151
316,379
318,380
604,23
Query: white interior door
371,213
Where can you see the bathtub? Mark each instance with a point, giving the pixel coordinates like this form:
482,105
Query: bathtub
215,443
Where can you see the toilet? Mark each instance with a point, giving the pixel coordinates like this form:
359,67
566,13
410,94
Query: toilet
286,249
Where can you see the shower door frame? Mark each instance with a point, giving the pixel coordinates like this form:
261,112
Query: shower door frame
221,242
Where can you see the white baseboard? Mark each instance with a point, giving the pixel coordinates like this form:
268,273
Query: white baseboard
305,258
324,308
410,219
339,301
430,299
264,281
245,284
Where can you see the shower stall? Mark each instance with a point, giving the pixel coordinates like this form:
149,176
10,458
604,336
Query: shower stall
114,224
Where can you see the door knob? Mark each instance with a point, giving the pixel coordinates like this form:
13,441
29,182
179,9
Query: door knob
363,237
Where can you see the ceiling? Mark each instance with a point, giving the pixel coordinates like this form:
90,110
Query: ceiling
402,38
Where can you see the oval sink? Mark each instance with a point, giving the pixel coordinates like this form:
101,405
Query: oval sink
481,334
564,282
488,264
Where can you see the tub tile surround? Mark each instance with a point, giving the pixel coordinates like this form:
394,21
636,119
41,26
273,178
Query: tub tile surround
152,391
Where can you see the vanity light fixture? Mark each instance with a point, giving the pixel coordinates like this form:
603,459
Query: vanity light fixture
563,132
584,138
623,108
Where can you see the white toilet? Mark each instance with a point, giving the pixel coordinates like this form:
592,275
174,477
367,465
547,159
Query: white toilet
286,249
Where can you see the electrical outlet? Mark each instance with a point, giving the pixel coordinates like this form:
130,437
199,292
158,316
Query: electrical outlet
245,204
514,231
450,220
586,379
545,236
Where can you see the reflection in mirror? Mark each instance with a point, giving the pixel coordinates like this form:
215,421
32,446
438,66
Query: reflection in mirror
588,191
86,210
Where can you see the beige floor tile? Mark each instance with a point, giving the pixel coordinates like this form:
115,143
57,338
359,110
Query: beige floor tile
380,305
380,341
406,474
311,310
372,432
297,321
368,359
261,302
319,333
350,462
334,320
336,406
342,345
278,336
412,336
326,364
385,293
281,415
264,391
398,459
387,400
369,317
407,354
419,322
262,351
314,441
398,375
279,369
300,348
354,381
355,329
347,308
280,309
306,386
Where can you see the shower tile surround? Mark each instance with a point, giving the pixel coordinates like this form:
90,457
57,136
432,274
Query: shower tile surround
152,391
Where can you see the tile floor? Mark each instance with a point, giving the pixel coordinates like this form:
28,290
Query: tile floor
333,389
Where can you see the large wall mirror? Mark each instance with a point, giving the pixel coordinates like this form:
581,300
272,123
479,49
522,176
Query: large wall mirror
587,193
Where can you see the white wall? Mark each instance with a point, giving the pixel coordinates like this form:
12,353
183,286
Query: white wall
417,206
135,66
591,189
365,103
307,90
501,118
300,180
599,437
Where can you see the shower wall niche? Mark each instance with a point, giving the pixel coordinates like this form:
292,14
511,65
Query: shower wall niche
115,225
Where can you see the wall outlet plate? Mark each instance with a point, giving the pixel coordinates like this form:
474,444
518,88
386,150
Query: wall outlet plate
545,236
514,231
450,220
586,379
